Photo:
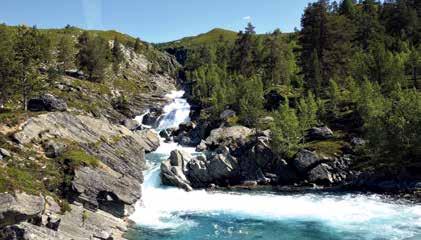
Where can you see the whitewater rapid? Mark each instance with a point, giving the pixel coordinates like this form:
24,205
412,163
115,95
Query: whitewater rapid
165,208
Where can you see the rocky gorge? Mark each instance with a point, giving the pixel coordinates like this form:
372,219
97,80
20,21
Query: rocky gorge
71,168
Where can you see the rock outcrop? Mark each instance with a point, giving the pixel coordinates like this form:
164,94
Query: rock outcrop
234,136
221,168
173,170
21,207
47,102
98,188
319,133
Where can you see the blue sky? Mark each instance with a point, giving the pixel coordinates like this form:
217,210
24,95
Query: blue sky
156,20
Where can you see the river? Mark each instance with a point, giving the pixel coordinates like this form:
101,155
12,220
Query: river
169,213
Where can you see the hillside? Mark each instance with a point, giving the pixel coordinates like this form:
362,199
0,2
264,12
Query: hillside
70,150
212,36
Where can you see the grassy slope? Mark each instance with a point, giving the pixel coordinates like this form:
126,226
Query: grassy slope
201,39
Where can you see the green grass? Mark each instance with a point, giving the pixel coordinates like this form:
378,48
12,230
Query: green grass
79,158
328,148
205,38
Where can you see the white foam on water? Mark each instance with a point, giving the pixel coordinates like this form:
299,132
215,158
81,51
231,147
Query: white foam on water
176,112
161,207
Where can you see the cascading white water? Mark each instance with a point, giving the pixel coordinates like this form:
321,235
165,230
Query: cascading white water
166,208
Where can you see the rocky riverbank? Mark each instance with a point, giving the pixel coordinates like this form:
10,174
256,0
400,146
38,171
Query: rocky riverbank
239,157
71,167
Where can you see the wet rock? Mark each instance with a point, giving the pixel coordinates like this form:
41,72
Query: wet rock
47,102
201,147
149,138
152,118
322,133
166,133
173,170
218,169
18,208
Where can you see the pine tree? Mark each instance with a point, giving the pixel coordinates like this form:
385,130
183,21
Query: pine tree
347,8
278,61
137,46
7,65
251,100
244,52
307,112
94,56
65,53
30,53
117,55
285,131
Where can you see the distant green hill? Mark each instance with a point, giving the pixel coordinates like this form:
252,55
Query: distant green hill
201,39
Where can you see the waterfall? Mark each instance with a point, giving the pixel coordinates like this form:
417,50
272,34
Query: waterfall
199,213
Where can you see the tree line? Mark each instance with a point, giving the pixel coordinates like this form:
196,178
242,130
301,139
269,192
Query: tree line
31,59
359,60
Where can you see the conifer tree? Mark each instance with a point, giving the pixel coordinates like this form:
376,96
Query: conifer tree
117,55
7,65
30,52
65,53
93,57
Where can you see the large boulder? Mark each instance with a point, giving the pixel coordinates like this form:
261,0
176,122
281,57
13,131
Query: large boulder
19,207
321,174
47,102
220,168
173,170
106,190
305,160
319,133
229,136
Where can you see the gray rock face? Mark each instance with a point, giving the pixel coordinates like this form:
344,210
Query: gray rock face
149,139
173,170
151,119
321,174
322,133
47,102
99,188
14,209
130,124
5,153
305,160
217,169
225,136
53,148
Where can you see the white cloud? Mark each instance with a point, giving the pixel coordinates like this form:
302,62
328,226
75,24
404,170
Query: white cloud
247,18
